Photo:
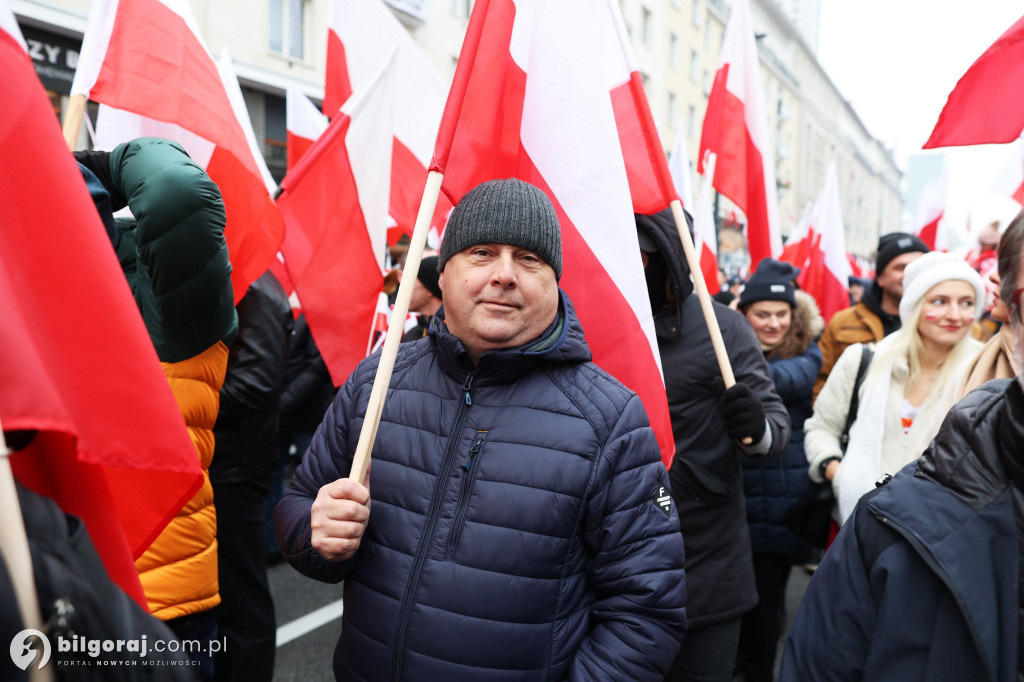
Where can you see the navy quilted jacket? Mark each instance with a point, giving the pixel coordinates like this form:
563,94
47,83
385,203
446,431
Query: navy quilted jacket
772,486
520,527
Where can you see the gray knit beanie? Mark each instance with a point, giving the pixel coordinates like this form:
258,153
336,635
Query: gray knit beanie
509,212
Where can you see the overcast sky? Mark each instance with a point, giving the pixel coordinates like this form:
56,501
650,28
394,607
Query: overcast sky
896,61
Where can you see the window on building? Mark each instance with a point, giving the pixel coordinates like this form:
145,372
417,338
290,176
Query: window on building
670,109
691,121
288,27
694,66
673,50
707,82
645,25
697,13
275,135
677,4
462,8
707,36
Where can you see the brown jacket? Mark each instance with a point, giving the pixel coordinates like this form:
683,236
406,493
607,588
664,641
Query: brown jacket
847,327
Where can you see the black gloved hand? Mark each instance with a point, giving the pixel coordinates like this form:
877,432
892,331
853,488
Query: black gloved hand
741,410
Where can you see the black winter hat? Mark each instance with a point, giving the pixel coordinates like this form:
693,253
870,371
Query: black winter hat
773,281
896,244
428,275
509,212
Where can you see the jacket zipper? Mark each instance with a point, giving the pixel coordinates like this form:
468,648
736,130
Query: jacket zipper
471,467
428,532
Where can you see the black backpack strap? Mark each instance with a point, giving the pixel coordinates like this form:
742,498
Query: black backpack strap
851,416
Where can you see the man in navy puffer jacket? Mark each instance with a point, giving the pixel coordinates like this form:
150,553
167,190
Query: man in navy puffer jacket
521,524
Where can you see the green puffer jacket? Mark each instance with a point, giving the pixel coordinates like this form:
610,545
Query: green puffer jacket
174,257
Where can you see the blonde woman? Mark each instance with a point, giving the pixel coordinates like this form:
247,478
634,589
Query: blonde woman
942,297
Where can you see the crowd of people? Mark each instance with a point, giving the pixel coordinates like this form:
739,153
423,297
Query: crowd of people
518,522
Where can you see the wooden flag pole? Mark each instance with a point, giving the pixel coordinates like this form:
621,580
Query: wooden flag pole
15,553
396,327
73,120
701,286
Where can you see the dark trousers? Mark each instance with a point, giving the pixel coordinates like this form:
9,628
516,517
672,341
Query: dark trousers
245,616
708,654
286,439
759,634
199,630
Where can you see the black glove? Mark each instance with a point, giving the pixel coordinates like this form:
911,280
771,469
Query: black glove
741,410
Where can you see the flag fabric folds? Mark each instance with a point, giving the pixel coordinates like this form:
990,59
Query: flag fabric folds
359,33
930,209
987,104
705,238
304,124
1010,181
146,61
826,273
335,205
736,130
78,365
531,99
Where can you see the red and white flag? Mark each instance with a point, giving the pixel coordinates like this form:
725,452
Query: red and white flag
798,245
1010,182
146,61
543,65
705,237
304,123
335,206
651,185
78,365
987,104
736,129
826,274
679,167
930,209
359,33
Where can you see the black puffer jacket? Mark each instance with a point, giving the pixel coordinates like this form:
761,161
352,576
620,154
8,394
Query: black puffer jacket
247,423
707,480
308,390
515,531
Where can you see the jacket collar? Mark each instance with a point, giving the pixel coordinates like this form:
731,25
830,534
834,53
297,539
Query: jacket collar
561,342
956,510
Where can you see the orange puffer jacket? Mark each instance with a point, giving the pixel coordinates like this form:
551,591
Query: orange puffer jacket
179,570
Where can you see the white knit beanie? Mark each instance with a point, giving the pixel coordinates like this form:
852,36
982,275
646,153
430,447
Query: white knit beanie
934,268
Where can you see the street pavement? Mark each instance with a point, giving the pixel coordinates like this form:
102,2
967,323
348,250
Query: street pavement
309,615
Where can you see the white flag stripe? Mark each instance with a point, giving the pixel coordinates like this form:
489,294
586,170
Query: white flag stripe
563,36
229,79
301,117
368,142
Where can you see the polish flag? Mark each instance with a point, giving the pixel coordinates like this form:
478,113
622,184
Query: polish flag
826,275
359,33
679,167
1010,182
543,66
705,237
736,129
146,61
335,206
651,184
304,123
78,365
930,209
987,104
798,245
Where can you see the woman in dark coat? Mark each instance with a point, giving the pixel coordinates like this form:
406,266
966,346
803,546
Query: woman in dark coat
786,323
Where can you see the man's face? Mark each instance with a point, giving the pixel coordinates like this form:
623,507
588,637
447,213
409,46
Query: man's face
497,296
891,279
